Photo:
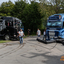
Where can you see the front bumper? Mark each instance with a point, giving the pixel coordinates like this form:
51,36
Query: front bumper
51,40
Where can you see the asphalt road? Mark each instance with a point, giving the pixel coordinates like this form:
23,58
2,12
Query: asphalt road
31,52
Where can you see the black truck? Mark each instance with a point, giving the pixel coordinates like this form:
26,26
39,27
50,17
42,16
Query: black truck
9,26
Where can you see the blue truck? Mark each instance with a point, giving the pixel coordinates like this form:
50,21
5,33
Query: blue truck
55,28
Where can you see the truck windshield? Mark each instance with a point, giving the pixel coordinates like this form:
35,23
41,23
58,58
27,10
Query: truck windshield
17,23
54,24
0,20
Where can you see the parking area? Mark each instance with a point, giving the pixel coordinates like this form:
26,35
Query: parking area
31,52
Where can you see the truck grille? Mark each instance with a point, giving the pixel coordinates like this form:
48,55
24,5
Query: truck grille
51,34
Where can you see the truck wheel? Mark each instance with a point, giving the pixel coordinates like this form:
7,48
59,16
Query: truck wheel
7,37
63,42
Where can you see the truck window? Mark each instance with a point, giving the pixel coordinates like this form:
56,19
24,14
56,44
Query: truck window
8,23
0,20
17,23
1,25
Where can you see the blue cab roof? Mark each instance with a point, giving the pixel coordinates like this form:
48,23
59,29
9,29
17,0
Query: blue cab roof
56,16
62,14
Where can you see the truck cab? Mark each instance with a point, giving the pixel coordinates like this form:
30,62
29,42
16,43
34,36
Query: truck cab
9,27
55,27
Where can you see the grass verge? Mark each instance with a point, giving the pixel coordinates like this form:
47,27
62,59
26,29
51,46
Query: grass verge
4,41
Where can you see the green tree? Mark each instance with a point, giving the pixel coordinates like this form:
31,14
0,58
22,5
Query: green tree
18,9
56,4
32,17
6,8
46,10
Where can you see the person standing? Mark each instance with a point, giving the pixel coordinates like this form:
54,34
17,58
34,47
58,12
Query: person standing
38,33
44,35
29,32
21,34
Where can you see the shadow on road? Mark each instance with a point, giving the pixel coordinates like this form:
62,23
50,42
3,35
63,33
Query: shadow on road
47,59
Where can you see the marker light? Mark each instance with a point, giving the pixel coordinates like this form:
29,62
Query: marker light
59,16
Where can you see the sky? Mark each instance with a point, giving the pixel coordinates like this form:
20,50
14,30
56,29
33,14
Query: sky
1,1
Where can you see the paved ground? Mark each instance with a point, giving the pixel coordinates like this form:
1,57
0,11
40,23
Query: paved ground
31,52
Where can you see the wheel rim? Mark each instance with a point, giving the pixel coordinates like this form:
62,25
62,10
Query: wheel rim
6,37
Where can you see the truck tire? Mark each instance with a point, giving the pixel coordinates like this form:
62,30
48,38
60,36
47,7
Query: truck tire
7,37
63,42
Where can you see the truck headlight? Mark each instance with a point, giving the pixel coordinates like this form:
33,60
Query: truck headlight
14,35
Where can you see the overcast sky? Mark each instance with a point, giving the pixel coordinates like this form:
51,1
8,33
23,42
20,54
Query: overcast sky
1,1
